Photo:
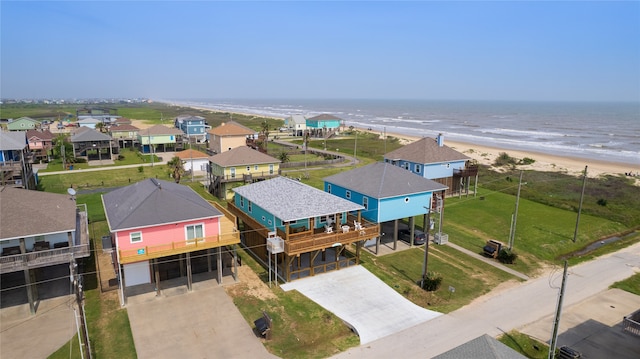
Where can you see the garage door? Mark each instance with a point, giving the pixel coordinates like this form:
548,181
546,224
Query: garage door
137,273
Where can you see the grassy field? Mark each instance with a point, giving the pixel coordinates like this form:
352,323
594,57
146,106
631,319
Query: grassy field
525,345
631,284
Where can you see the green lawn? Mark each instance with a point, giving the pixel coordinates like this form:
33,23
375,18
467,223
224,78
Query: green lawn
525,345
631,284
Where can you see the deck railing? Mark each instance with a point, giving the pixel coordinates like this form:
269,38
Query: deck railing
631,323
43,258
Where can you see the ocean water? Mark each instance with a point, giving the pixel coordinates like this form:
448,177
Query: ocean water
602,131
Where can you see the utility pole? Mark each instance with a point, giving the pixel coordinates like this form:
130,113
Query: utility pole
83,333
584,183
426,246
556,321
512,235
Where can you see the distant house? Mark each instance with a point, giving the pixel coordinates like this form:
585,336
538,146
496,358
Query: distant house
40,143
239,165
92,145
296,124
121,121
193,160
229,135
160,138
323,124
312,230
40,230
23,124
432,159
387,193
16,161
163,230
126,135
194,127
89,122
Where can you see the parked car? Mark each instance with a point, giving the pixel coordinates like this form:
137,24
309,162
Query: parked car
419,237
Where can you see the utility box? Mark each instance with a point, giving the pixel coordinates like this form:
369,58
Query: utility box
441,238
492,248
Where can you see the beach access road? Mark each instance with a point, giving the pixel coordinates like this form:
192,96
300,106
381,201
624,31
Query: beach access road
502,311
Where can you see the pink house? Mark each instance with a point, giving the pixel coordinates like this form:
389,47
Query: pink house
163,230
40,142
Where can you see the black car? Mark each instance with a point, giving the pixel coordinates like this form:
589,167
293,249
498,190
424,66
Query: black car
419,238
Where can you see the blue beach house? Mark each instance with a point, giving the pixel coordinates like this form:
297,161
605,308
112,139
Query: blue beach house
194,127
387,193
316,229
322,124
432,159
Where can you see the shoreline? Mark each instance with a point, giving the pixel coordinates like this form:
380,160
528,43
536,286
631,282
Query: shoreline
545,162
486,155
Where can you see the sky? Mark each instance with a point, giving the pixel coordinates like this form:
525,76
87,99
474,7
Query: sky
477,50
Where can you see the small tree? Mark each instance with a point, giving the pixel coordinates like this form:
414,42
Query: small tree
265,131
432,282
507,256
283,157
176,168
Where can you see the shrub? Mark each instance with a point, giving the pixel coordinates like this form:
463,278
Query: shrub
432,282
120,157
507,256
504,159
602,202
141,169
527,161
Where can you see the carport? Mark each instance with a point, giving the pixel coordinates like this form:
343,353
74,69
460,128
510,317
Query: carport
366,304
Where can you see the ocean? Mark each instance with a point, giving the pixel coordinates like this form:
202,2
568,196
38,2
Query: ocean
596,130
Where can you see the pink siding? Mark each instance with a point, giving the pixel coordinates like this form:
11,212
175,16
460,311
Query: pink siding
164,234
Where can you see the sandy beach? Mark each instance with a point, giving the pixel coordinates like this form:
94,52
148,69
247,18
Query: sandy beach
543,161
486,155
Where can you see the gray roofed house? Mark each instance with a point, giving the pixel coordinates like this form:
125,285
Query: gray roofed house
482,347
432,159
292,200
152,202
89,135
39,230
383,180
16,140
15,160
92,144
241,156
426,150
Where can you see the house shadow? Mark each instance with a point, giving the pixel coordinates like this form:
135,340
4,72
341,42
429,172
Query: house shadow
594,339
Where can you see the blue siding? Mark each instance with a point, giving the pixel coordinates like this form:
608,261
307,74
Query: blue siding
322,123
398,207
431,170
370,214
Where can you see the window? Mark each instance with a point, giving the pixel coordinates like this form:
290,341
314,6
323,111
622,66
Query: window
348,194
248,168
271,169
241,202
417,168
329,187
194,232
255,167
365,202
406,200
135,237
249,207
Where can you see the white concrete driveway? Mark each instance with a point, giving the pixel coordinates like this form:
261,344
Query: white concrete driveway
363,301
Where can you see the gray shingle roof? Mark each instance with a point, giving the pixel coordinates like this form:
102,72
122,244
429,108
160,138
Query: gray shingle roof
426,150
483,347
384,180
324,117
25,213
241,156
291,200
89,135
159,130
15,140
152,202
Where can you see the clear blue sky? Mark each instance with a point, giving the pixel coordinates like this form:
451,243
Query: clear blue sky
582,51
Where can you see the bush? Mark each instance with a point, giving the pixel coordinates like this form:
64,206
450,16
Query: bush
507,256
120,157
504,159
141,169
527,161
432,282
602,202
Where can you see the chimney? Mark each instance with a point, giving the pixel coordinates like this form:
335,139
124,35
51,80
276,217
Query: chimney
440,140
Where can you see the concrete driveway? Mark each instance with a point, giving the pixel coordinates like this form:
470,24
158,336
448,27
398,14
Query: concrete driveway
363,301
203,323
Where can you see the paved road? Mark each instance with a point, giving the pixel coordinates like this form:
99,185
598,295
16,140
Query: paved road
489,261
501,312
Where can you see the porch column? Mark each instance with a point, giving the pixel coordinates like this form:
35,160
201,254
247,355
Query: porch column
181,261
287,268
312,259
156,267
358,246
219,264
395,234
70,240
189,278
209,264
411,231
235,263
28,279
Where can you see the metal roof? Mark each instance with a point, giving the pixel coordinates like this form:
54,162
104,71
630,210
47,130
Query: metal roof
426,150
25,213
292,200
483,347
89,135
384,180
159,130
153,202
231,128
